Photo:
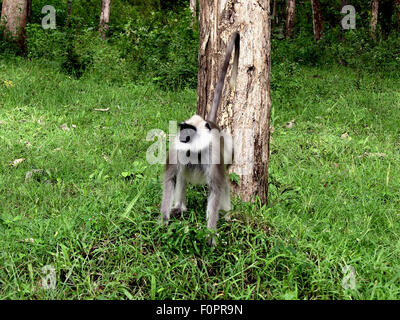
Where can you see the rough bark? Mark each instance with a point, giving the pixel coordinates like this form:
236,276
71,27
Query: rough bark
193,7
397,9
290,11
245,108
374,18
14,15
317,19
104,18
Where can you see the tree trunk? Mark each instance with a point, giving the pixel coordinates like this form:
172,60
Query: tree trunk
274,20
29,11
290,10
397,9
104,18
374,18
244,110
317,19
68,13
68,8
193,7
14,15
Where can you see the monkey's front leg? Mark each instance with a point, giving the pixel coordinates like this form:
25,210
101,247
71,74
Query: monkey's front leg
168,192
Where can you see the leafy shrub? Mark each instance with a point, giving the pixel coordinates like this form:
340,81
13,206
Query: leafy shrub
162,48
45,44
355,50
159,47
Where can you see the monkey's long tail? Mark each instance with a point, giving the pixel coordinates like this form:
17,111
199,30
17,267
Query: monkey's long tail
235,41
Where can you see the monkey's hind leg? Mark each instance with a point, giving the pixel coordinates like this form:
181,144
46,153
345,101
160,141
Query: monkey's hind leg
213,206
168,194
180,196
226,203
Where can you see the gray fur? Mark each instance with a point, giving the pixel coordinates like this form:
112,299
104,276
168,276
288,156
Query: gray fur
198,156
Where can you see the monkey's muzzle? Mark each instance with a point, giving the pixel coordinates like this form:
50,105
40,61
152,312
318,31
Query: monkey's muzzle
186,135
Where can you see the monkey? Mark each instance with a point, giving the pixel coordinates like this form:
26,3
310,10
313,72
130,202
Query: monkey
201,154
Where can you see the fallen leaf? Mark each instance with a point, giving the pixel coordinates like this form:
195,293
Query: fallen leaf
16,162
107,158
8,83
373,154
344,136
290,124
102,110
64,127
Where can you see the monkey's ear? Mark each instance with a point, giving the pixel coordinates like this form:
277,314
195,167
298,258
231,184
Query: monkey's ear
208,126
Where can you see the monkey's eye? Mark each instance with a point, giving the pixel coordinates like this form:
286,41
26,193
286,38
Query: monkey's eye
208,126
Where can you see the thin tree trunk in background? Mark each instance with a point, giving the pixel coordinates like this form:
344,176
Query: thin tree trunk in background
29,12
246,108
104,18
193,7
14,15
68,12
397,10
69,9
317,19
274,20
290,11
374,18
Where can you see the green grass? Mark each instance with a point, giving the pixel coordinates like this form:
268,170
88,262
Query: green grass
92,214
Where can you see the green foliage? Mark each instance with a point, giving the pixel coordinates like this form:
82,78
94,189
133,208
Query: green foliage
158,41
355,50
93,212
45,44
160,47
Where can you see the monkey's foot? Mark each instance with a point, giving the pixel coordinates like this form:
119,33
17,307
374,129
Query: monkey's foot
163,220
177,212
211,241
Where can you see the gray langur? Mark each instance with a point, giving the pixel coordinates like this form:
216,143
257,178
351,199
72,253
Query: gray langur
201,154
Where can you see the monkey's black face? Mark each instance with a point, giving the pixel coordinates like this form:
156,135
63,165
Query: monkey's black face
186,132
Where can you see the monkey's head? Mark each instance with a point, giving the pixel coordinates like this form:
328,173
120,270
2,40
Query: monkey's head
195,134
